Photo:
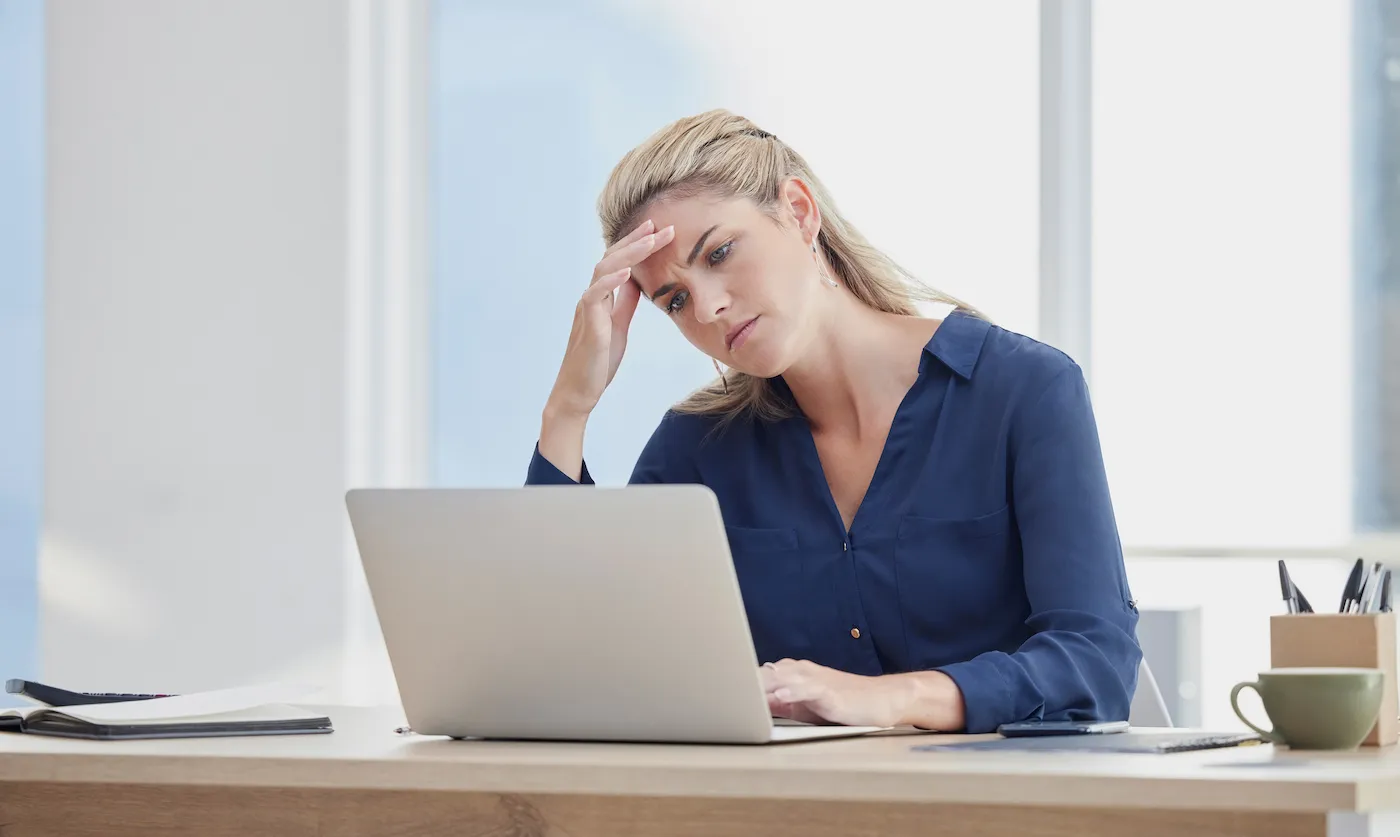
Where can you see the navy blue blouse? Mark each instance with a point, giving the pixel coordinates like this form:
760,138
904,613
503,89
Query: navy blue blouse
985,546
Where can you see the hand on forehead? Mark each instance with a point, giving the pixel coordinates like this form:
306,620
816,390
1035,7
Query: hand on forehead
700,223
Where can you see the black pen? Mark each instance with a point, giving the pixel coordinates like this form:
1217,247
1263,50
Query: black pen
1290,593
1353,585
1385,592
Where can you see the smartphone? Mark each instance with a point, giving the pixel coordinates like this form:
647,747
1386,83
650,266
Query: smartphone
1022,729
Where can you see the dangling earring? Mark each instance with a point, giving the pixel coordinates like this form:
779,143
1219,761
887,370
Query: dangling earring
821,271
722,379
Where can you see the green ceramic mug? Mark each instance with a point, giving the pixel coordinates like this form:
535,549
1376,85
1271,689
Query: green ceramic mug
1316,708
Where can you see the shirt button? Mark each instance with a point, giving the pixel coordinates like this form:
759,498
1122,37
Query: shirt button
855,633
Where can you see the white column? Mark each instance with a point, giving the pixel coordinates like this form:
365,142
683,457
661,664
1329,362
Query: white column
388,342
205,349
1066,131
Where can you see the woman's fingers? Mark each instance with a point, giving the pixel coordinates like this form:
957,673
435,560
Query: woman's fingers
778,709
788,681
642,229
793,691
635,252
602,289
794,711
797,690
625,305
773,674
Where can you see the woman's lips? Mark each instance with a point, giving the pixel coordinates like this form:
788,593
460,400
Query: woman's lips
741,335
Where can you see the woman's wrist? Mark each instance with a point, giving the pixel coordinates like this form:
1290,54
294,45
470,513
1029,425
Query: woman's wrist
927,700
561,440
559,419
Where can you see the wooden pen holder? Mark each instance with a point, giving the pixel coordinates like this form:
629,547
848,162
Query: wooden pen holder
1351,640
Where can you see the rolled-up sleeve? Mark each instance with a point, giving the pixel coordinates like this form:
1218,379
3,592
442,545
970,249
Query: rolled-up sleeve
666,458
543,472
1081,662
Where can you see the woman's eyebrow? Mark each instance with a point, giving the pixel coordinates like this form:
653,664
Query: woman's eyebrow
695,251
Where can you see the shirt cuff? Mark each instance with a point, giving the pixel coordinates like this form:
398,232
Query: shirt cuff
987,699
543,472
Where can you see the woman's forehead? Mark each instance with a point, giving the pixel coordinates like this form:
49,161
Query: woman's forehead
696,210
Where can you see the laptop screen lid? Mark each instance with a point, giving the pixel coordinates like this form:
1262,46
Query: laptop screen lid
559,612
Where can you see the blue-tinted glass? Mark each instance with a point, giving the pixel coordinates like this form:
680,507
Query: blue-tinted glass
532,105
21,326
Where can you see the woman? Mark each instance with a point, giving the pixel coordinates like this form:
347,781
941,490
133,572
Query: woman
917,508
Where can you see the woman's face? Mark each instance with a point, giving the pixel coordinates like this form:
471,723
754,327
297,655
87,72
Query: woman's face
743,287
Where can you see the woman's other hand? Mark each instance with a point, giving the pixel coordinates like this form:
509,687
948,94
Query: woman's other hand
804,691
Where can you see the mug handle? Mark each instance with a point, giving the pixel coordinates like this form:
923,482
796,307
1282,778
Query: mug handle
1268,734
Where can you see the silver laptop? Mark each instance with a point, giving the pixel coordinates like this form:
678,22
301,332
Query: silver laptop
565,613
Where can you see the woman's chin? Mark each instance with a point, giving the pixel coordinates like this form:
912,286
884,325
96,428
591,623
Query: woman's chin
760,365
761,356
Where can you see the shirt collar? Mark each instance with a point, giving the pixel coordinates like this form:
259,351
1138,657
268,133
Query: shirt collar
957,343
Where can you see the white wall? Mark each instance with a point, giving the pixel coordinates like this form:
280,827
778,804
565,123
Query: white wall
196,403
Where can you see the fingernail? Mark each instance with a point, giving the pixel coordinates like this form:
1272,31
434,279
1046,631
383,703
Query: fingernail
783,694
649,239
647,223
625,272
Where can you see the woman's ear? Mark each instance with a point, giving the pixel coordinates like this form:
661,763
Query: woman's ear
799,200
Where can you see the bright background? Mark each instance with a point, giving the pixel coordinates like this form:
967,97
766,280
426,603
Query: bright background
204,323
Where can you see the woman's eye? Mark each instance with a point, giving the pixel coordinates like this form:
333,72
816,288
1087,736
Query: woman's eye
720,253
677,302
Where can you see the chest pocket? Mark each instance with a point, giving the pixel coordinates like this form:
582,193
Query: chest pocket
768,564
956,576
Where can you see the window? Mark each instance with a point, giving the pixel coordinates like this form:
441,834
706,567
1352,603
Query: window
532,108
1223,371
1376,122
21,325
1223,270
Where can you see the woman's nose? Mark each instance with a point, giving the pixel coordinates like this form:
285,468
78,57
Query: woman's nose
710,300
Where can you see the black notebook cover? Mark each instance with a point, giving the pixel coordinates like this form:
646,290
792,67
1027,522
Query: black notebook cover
265,721
65,727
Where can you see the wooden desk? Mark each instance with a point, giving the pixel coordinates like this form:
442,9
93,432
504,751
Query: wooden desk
364,780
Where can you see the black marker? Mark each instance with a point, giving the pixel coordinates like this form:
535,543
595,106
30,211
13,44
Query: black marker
1290,593
1353,588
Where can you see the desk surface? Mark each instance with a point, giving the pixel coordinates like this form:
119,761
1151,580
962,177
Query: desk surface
365,753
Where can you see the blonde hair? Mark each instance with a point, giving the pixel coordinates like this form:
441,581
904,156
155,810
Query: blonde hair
722,154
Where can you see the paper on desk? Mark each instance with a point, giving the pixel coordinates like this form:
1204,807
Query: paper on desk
193,705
